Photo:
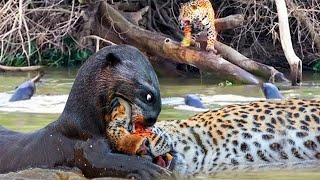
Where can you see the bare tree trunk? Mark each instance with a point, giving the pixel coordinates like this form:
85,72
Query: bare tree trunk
285,37
157,44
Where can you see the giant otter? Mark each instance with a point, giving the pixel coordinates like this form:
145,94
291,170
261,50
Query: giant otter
26,90
77,137
193,100
271,91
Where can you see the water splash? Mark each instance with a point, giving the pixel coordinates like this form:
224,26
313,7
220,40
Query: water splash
54,104
37,104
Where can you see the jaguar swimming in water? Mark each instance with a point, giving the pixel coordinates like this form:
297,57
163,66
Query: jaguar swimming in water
255,136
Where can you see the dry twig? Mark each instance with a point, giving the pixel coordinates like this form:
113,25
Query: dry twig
28,26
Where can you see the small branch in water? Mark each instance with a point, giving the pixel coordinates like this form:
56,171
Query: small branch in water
38,77
22,69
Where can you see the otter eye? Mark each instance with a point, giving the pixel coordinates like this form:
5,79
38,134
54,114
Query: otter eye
149,97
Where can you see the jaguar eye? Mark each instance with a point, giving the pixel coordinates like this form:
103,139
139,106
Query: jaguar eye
149,97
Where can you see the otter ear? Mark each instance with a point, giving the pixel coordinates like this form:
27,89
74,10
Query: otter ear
112,59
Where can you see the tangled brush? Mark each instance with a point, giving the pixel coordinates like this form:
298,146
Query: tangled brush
27,28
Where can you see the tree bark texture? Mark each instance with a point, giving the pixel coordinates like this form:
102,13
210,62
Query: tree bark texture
285,37
229,22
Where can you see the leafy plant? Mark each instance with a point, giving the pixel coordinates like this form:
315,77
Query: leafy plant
316,67
67,55
226,83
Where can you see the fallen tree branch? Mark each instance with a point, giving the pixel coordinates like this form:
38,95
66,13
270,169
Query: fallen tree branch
229,22
285,37
262,70
22,69
162,46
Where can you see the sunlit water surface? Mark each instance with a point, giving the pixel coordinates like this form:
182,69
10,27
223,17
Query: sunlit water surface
51,95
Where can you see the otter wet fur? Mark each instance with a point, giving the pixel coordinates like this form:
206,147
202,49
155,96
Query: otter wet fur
26,90
77,137
261,135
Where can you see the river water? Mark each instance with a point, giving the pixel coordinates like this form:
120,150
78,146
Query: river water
51,95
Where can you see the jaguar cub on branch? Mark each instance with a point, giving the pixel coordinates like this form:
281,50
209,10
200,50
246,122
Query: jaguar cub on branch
195,17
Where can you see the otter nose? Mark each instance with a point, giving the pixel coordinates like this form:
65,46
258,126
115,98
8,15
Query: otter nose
150,121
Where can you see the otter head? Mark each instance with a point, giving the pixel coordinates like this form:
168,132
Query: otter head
129,75
114,71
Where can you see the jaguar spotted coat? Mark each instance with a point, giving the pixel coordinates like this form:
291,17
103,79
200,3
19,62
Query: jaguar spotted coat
259,135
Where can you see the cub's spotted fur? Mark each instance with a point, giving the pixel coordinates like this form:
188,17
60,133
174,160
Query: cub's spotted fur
280,134
195,17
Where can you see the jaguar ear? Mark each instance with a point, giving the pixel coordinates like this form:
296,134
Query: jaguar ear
112,59
194,6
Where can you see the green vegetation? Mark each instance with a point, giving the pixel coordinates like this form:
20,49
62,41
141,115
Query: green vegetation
226,83
316,67
68,55
45,33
